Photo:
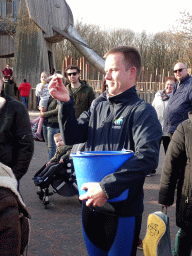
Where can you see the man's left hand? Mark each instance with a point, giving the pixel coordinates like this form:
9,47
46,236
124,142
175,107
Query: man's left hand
95,195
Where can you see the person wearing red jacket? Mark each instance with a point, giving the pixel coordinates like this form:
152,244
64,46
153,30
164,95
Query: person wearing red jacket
8,72
24,89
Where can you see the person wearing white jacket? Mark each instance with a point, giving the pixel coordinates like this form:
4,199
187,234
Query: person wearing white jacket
41,91
160,103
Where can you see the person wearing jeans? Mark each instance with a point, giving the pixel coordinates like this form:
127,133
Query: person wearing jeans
49,130
24,89
51,125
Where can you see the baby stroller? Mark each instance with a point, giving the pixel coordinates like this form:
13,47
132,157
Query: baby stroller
60,176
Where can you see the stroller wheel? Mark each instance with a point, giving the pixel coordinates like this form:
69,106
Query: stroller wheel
40,193
45,200
41,196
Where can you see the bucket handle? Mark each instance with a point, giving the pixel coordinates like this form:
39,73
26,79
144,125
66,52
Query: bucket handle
79,153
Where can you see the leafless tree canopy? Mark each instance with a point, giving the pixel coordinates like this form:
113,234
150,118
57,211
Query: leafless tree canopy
159,51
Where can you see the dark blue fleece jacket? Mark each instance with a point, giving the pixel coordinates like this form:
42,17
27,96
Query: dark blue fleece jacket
123,121
179,105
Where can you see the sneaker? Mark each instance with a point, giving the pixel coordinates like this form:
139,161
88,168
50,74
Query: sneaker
140,244
151,173
38,180
38,136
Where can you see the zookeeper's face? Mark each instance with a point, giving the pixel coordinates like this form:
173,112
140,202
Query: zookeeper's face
118,79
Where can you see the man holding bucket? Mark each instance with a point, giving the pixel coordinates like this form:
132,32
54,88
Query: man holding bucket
120,121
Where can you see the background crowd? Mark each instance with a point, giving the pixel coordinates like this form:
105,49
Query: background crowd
173,110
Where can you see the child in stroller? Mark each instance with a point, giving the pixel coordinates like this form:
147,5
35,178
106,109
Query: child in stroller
58,172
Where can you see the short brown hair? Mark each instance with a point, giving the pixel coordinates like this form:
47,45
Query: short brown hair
131,55
72,67
172,78
56,135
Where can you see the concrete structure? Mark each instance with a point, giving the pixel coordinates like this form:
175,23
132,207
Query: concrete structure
28,31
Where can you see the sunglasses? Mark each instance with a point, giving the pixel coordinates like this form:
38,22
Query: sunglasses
179,70
70,74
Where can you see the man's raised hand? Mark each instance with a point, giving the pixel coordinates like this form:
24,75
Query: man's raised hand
57,89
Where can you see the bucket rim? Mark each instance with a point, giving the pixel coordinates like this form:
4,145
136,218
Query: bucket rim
101,153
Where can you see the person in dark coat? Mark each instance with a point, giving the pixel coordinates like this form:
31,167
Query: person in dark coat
9,87
16,138
122,121
179,103
80,91
8,72
177,173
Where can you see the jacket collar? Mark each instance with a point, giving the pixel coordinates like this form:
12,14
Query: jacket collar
127,96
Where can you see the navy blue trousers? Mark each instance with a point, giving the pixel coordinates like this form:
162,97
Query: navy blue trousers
109,235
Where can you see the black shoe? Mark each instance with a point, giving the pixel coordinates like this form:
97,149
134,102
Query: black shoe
151,173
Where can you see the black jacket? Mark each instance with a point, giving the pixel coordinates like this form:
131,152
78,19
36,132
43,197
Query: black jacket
51,115
179,105
177,168
16,138
82,97
122,121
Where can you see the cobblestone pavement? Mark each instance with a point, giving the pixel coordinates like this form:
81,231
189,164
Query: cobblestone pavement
56,231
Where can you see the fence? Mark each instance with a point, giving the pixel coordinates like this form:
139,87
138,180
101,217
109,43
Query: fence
145,90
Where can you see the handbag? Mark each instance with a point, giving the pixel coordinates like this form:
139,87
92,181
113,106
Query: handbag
157,241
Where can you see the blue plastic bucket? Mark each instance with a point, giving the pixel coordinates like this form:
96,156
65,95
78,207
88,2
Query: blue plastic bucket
93,166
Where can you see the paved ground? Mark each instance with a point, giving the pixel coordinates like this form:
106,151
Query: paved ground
56,231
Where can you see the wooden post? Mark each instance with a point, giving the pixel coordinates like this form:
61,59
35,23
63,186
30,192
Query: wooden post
142,74
151,82
156,74
86,71
163,75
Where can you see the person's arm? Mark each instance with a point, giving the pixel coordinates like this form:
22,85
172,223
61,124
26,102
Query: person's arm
91,96
65,153
154,100
39,90
23,142
175,161
55,158
53,112
74,131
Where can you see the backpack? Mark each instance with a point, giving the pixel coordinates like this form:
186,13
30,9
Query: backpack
157,241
